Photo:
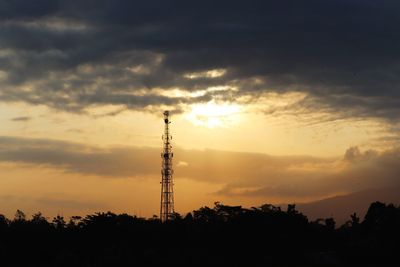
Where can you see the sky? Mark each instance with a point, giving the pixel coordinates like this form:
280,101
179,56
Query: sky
271,101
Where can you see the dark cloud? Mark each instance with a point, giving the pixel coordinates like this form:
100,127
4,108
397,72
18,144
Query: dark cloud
19,9
79,158
22,118
357,171
74,54
240,174
353,154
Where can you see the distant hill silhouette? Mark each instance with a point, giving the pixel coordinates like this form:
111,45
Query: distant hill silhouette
340,207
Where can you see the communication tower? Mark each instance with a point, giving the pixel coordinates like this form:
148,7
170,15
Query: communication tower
167,190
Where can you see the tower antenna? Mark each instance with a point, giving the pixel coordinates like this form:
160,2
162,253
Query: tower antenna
167,190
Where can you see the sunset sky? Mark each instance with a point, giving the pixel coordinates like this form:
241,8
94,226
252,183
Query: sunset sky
271,102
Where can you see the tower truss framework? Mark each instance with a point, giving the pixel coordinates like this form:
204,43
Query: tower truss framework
167,186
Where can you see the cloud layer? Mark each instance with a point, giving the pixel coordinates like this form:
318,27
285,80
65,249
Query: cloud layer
71,55
293,178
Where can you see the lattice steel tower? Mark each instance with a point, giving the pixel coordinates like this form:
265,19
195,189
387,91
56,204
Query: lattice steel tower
167,186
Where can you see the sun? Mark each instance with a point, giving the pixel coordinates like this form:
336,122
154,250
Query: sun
212,114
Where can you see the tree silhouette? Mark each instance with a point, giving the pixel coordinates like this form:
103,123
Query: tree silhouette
219,236
19,216
59,222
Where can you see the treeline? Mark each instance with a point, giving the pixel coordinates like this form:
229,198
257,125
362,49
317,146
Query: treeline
218,236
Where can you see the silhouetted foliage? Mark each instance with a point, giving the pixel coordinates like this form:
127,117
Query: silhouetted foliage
218,236
59,222
19,216
330,223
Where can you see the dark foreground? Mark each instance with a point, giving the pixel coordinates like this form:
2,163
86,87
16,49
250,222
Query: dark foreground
219,236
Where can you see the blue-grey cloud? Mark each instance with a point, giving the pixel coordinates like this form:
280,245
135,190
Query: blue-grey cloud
74,54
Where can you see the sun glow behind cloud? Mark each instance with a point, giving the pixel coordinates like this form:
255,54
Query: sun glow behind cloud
212,114
215,73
